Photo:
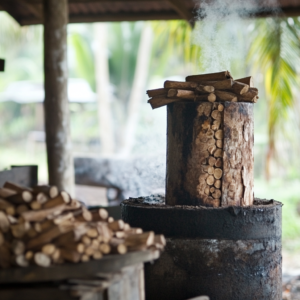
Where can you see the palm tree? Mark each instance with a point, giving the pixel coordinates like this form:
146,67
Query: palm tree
275,52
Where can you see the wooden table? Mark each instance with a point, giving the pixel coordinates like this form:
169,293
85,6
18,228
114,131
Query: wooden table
112,277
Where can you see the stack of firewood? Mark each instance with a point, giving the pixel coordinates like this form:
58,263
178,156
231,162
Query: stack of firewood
206,87
44,226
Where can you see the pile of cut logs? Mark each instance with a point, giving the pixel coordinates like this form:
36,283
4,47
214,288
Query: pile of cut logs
206,87
44,226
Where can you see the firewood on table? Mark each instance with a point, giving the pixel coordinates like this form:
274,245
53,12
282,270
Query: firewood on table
116,225
20,198
70,255
35,205
21,261
92,232
4,223
85,258
48,249
16,187
83,215
79,247
56,257
97,255
21,208
51,191
180,85
29,255
118,246
146,238
226,96
104,248
90,250
247,80
18,247
159,101
99,214
48,236
240,88
41,198
86,240
185,94
210,77
157,92
40,215
42,259
4,193
62,198
20,229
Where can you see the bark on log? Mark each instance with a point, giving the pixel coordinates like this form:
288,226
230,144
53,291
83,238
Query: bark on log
210,77
238,161
180,85
57,124
157,102
219,85
240,88
157,92
226,96
185,94
247,80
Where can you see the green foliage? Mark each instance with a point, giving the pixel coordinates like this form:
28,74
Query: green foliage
84,59
274,50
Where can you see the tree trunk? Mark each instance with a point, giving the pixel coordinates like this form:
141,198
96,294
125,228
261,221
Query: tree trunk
57,124
138,87
105,117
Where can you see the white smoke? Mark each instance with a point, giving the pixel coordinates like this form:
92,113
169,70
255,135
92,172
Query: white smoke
221,30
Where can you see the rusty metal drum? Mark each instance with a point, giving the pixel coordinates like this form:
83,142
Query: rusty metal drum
227,253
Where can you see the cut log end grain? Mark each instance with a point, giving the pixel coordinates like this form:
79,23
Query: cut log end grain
116,225
85,258
210,180
29,255
206,190
35,205
217,194
92,232
217,184
219,163
219,134
53,192
220,107
18,247
218,173
42,259
212,189
211,161
218,153
97,255
48,249
104,248
216,114
210,133
10,210
205,88
211,97
41,198
219,143
27,196
210,170
21,261
240,88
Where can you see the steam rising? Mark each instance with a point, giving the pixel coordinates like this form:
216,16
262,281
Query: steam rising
222,27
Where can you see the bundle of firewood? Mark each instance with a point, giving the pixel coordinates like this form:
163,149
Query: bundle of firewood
206,87
44,226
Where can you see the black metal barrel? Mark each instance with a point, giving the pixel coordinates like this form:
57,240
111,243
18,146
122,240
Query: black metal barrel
227,253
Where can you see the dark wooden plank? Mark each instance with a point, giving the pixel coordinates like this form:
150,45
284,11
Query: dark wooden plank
22,175
34,293
110,263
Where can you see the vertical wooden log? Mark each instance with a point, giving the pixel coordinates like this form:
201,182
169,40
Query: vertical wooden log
209,154
57,124
238,158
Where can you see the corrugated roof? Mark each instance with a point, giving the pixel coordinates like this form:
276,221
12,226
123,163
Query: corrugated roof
28,12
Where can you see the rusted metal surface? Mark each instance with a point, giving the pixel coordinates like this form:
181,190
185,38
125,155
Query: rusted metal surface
221,269
238,158
229,253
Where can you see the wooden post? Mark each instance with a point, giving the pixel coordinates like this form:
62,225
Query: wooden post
57,124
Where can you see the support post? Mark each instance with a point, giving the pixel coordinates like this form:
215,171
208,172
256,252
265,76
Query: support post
57,123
